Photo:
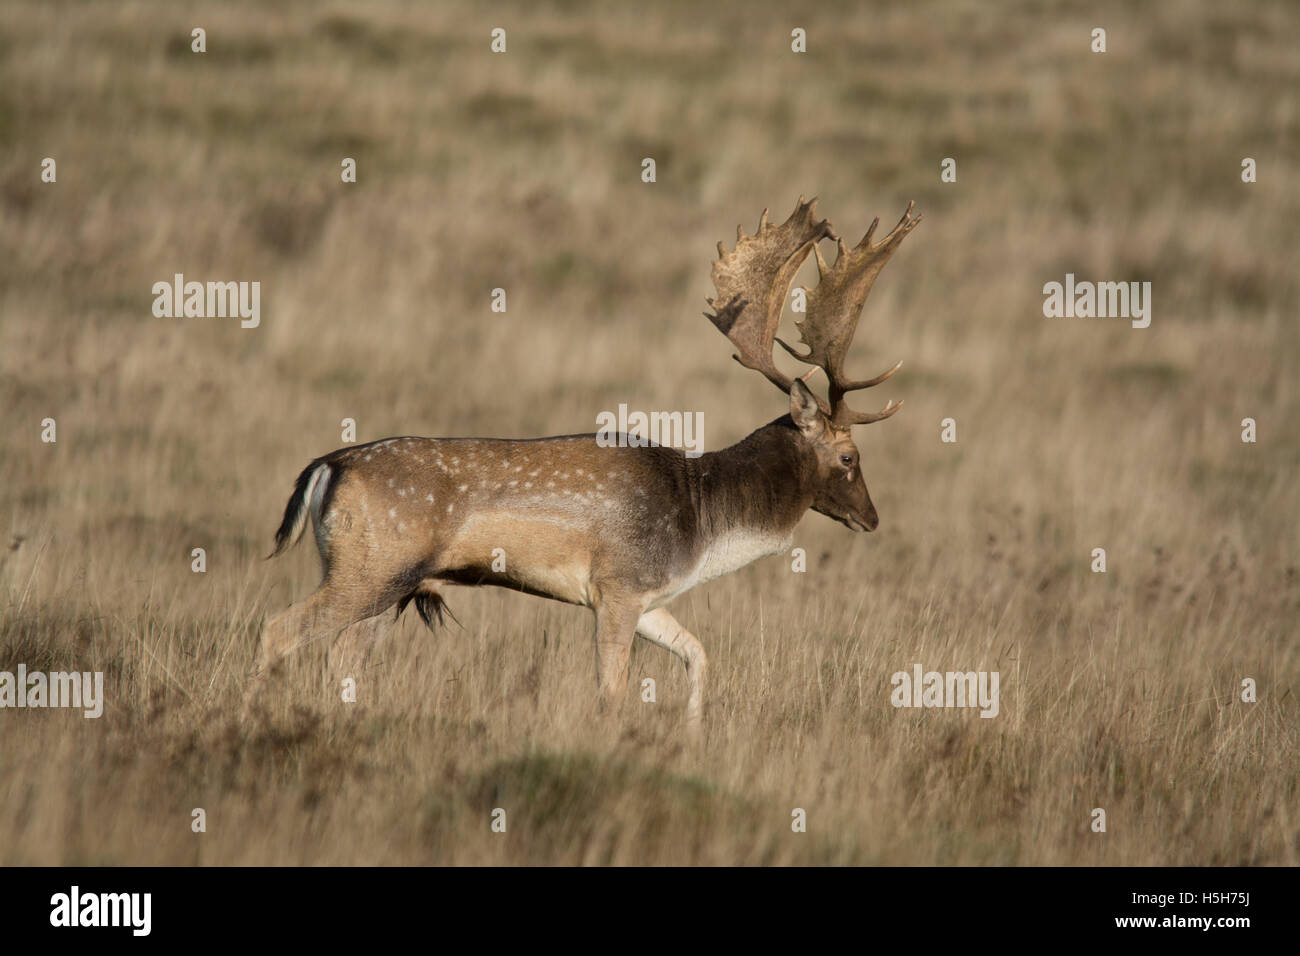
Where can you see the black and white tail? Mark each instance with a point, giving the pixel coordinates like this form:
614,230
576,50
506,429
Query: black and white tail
308,493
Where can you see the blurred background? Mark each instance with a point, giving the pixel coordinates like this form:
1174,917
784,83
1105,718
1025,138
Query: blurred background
522,171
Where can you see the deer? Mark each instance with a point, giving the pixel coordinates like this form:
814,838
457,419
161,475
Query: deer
619,529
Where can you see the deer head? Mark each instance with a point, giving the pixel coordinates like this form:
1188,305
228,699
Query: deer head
752,282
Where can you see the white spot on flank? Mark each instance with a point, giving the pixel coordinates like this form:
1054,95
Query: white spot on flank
429,498
449,509
462,487
392,512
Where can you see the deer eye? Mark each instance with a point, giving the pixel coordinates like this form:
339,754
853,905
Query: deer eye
846,459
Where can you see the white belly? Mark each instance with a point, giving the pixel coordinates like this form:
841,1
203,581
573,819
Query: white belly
728,553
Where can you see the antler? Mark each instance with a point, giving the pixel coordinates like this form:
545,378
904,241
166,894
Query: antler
834,308
756,271
752,283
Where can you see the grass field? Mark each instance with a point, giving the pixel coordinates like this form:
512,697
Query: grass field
521,170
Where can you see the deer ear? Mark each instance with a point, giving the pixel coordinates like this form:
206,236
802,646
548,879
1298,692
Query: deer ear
803,408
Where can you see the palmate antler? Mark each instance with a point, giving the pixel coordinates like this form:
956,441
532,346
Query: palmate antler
754,279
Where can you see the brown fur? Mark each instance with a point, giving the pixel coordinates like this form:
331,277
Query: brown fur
621,530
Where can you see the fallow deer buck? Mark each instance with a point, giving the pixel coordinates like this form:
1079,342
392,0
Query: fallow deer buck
621,530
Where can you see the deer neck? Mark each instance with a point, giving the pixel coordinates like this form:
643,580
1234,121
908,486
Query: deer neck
750,496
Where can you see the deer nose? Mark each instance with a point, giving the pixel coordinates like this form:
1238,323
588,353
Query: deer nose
872,521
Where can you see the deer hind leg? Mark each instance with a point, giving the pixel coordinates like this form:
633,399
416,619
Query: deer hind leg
328,609
615,629
324,611
354,644
660,627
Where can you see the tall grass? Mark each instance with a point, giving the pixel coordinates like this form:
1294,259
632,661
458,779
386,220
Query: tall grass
1120,691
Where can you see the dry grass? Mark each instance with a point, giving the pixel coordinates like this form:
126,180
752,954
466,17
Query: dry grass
1119,690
